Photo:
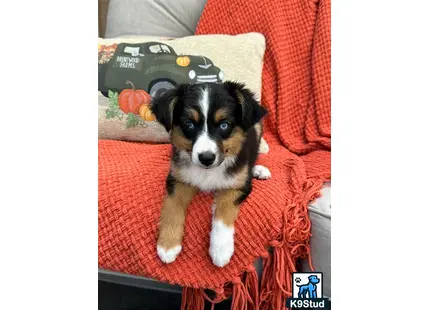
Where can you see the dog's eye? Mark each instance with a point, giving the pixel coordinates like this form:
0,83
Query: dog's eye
224,125
189,124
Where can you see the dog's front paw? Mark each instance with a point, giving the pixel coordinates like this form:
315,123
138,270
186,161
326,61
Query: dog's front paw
221,244
168,255
261,172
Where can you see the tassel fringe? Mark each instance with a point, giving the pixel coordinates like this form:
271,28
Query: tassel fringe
278,265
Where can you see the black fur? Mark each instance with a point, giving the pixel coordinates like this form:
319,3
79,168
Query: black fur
251,112
170,184
246,190
247,155
162,106
170,109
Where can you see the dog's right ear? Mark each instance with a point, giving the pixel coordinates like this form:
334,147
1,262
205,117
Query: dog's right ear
251,111
162,107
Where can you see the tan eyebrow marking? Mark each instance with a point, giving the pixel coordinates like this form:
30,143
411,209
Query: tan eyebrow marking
194,115
220,114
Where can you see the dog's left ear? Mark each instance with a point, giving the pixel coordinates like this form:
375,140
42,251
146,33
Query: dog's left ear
162,107
251,111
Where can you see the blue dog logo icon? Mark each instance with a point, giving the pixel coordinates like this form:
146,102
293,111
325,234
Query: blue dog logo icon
309,290
309,295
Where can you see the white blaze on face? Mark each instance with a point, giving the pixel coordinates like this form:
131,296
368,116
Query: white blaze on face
204,143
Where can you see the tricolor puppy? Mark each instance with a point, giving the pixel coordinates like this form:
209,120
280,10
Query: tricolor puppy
215,132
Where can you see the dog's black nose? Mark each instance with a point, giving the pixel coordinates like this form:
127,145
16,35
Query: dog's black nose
207,158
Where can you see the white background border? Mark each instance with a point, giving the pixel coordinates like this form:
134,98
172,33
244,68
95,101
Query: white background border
48,147
48,173
380,158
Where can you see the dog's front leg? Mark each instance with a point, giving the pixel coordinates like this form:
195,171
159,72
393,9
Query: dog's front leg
226,209
171,229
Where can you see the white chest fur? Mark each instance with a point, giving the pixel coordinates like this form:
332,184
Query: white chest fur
208,180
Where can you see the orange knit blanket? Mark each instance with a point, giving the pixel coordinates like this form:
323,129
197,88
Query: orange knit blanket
273,222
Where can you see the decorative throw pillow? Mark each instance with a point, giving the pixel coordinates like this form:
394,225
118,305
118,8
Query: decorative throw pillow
132,69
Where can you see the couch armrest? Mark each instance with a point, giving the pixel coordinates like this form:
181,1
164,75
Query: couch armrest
320,215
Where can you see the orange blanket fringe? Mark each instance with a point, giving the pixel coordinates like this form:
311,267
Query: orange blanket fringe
273,222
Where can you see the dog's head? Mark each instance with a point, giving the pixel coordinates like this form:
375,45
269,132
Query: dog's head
314,279
208,121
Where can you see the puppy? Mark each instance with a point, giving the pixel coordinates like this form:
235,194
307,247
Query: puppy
215,131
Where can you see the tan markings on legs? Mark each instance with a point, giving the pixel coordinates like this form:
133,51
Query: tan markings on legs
173,216
226,209
179,140
233,144
221,246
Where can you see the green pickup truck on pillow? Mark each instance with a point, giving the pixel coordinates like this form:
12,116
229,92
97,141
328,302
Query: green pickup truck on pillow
153,67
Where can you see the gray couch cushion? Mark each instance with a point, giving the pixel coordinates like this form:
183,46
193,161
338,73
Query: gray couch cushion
320,215
165,18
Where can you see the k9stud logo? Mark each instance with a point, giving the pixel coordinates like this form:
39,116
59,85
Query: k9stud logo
307,291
